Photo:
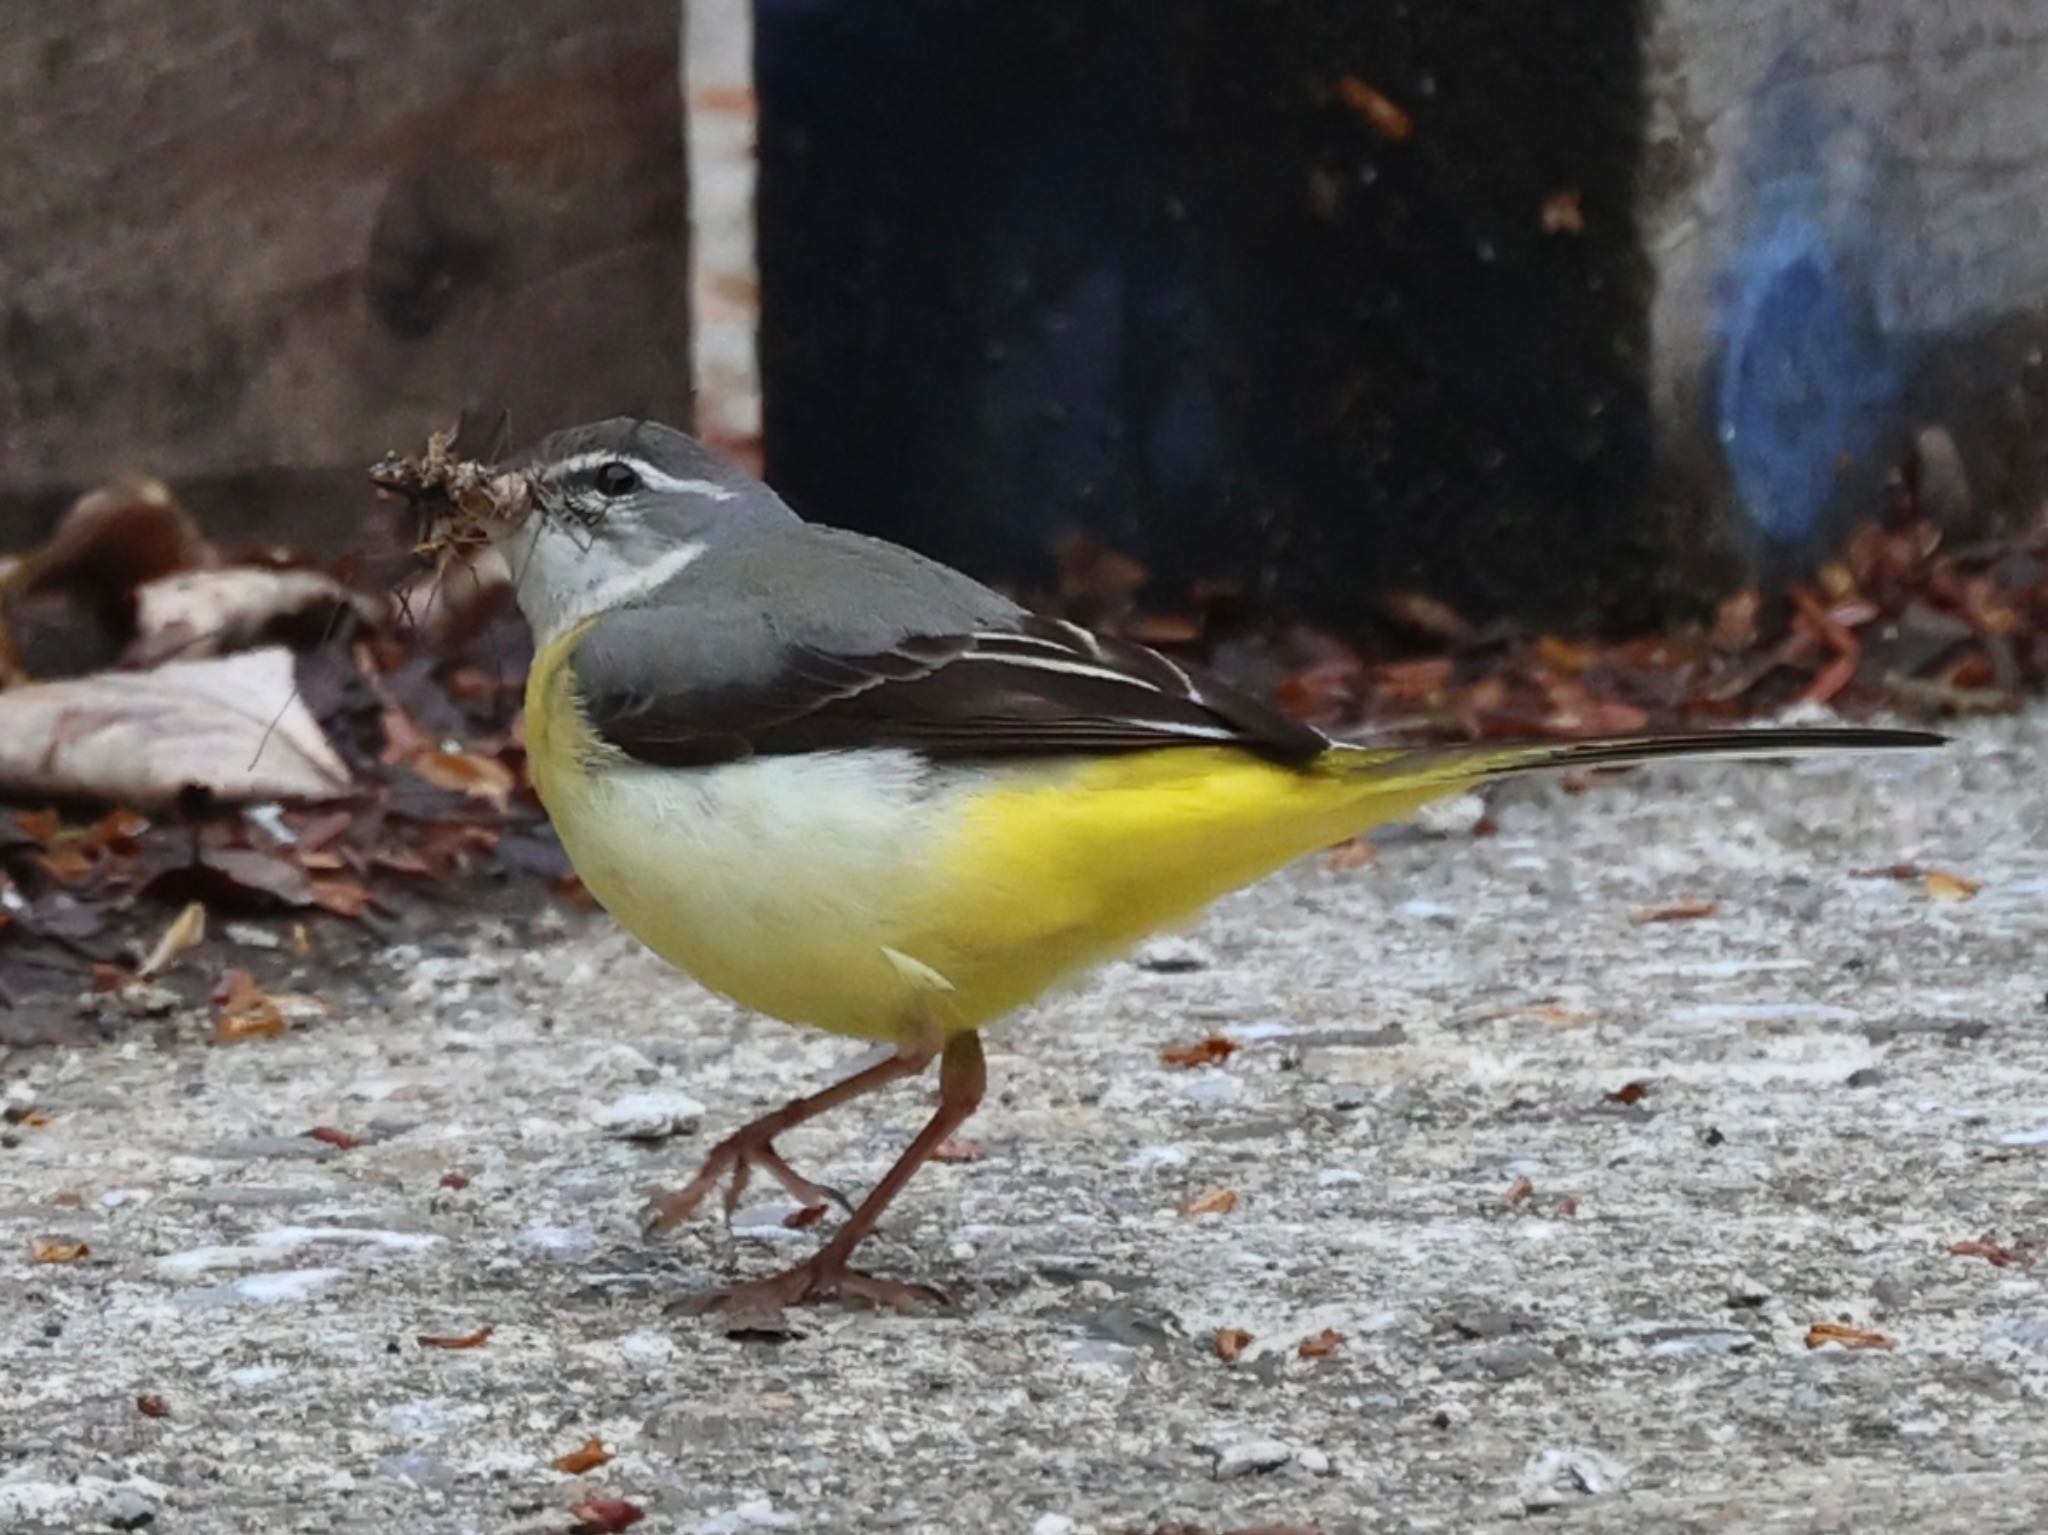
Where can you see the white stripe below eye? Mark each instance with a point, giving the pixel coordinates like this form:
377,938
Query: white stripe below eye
622,586
651,477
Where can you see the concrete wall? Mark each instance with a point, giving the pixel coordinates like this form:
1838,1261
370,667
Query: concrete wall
243,239
1847,206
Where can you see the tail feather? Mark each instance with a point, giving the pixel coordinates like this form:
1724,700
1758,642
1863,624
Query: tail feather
1477,760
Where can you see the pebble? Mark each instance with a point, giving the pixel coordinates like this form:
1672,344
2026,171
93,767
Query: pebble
648,1116
1213,1089
565,1244
1246,1457
1508,1361
423,1471
1551,1476
755,1514
1053,1524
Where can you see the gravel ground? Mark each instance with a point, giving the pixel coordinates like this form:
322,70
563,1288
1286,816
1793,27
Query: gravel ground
1551,1303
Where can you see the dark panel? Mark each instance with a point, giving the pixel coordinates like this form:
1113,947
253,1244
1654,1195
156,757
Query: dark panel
1178,275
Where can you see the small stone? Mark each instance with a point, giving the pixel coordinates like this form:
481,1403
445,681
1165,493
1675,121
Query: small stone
1491,1322
1508,1361
1893,1290
1552,1476
648,1116
1171,955
1247,1457
130,1509
1053,1524
1213,1089
1457,816
423,1471
1313,1461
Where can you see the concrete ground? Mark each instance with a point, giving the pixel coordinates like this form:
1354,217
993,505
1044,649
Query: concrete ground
1551,1304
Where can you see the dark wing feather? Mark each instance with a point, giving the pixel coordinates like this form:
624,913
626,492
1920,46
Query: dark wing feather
1035,687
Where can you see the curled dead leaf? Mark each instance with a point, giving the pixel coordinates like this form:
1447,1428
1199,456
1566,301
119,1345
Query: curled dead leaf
475,1339
197,613
1941,885
1678,911
1385,116
1346,856
1212,1051
604,1516
340,1140
1629,1092
1231,1342
1212,1202
186,932
586,1457
1993,1254
1322,1345
244,1010
1820,1334
56,1250
479,777
1518,1191
152,1406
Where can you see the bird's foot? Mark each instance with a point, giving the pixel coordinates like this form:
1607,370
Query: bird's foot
823,1277
733,1161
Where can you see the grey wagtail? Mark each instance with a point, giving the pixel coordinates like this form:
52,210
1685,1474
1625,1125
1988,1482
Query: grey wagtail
851,788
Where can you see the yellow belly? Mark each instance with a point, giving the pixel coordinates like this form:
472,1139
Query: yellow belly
869,894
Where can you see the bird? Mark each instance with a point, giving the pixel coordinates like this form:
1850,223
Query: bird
856,790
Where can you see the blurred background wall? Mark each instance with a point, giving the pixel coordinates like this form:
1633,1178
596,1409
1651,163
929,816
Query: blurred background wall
1577,313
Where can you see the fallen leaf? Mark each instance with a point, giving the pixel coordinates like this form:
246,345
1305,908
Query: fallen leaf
587,1457
1231,1342
1941,885
803,1217
455,1180
341,1140
1678,911
56,1250
233,728
1822,1333
1562,213
1518,1191
484,778
244,1010
1205,1052
197,613
1630,1092
1388,120
1568,1206
152,1407
1992,1253
1322,1345
343,897
604,1516
475,1339
1213,1202
186,933
1346,856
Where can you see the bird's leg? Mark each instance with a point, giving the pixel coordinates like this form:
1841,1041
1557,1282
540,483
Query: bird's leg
752,1146
963,1077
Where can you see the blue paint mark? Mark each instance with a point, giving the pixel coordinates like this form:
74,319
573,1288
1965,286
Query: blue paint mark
1806,384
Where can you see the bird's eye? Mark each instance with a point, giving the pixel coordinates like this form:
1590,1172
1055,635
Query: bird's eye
616,479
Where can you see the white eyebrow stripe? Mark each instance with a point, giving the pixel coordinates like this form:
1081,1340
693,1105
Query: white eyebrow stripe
652,477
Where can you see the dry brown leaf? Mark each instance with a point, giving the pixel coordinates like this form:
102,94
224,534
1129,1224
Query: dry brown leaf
152,1406
1518,1191
1212,1202
475,1339
1992,1253
586,1457
1630,1092
186,933
340,1140
56,1250
343,897
1231,1342
1678,911
1941,885
1562,213
484,778
456,1181
1322,1345
1212,1051
1387,118
1346,856
1822,1333
244,1010
234,727
604,1516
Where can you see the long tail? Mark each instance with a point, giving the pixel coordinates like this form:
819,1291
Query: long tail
1451,765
